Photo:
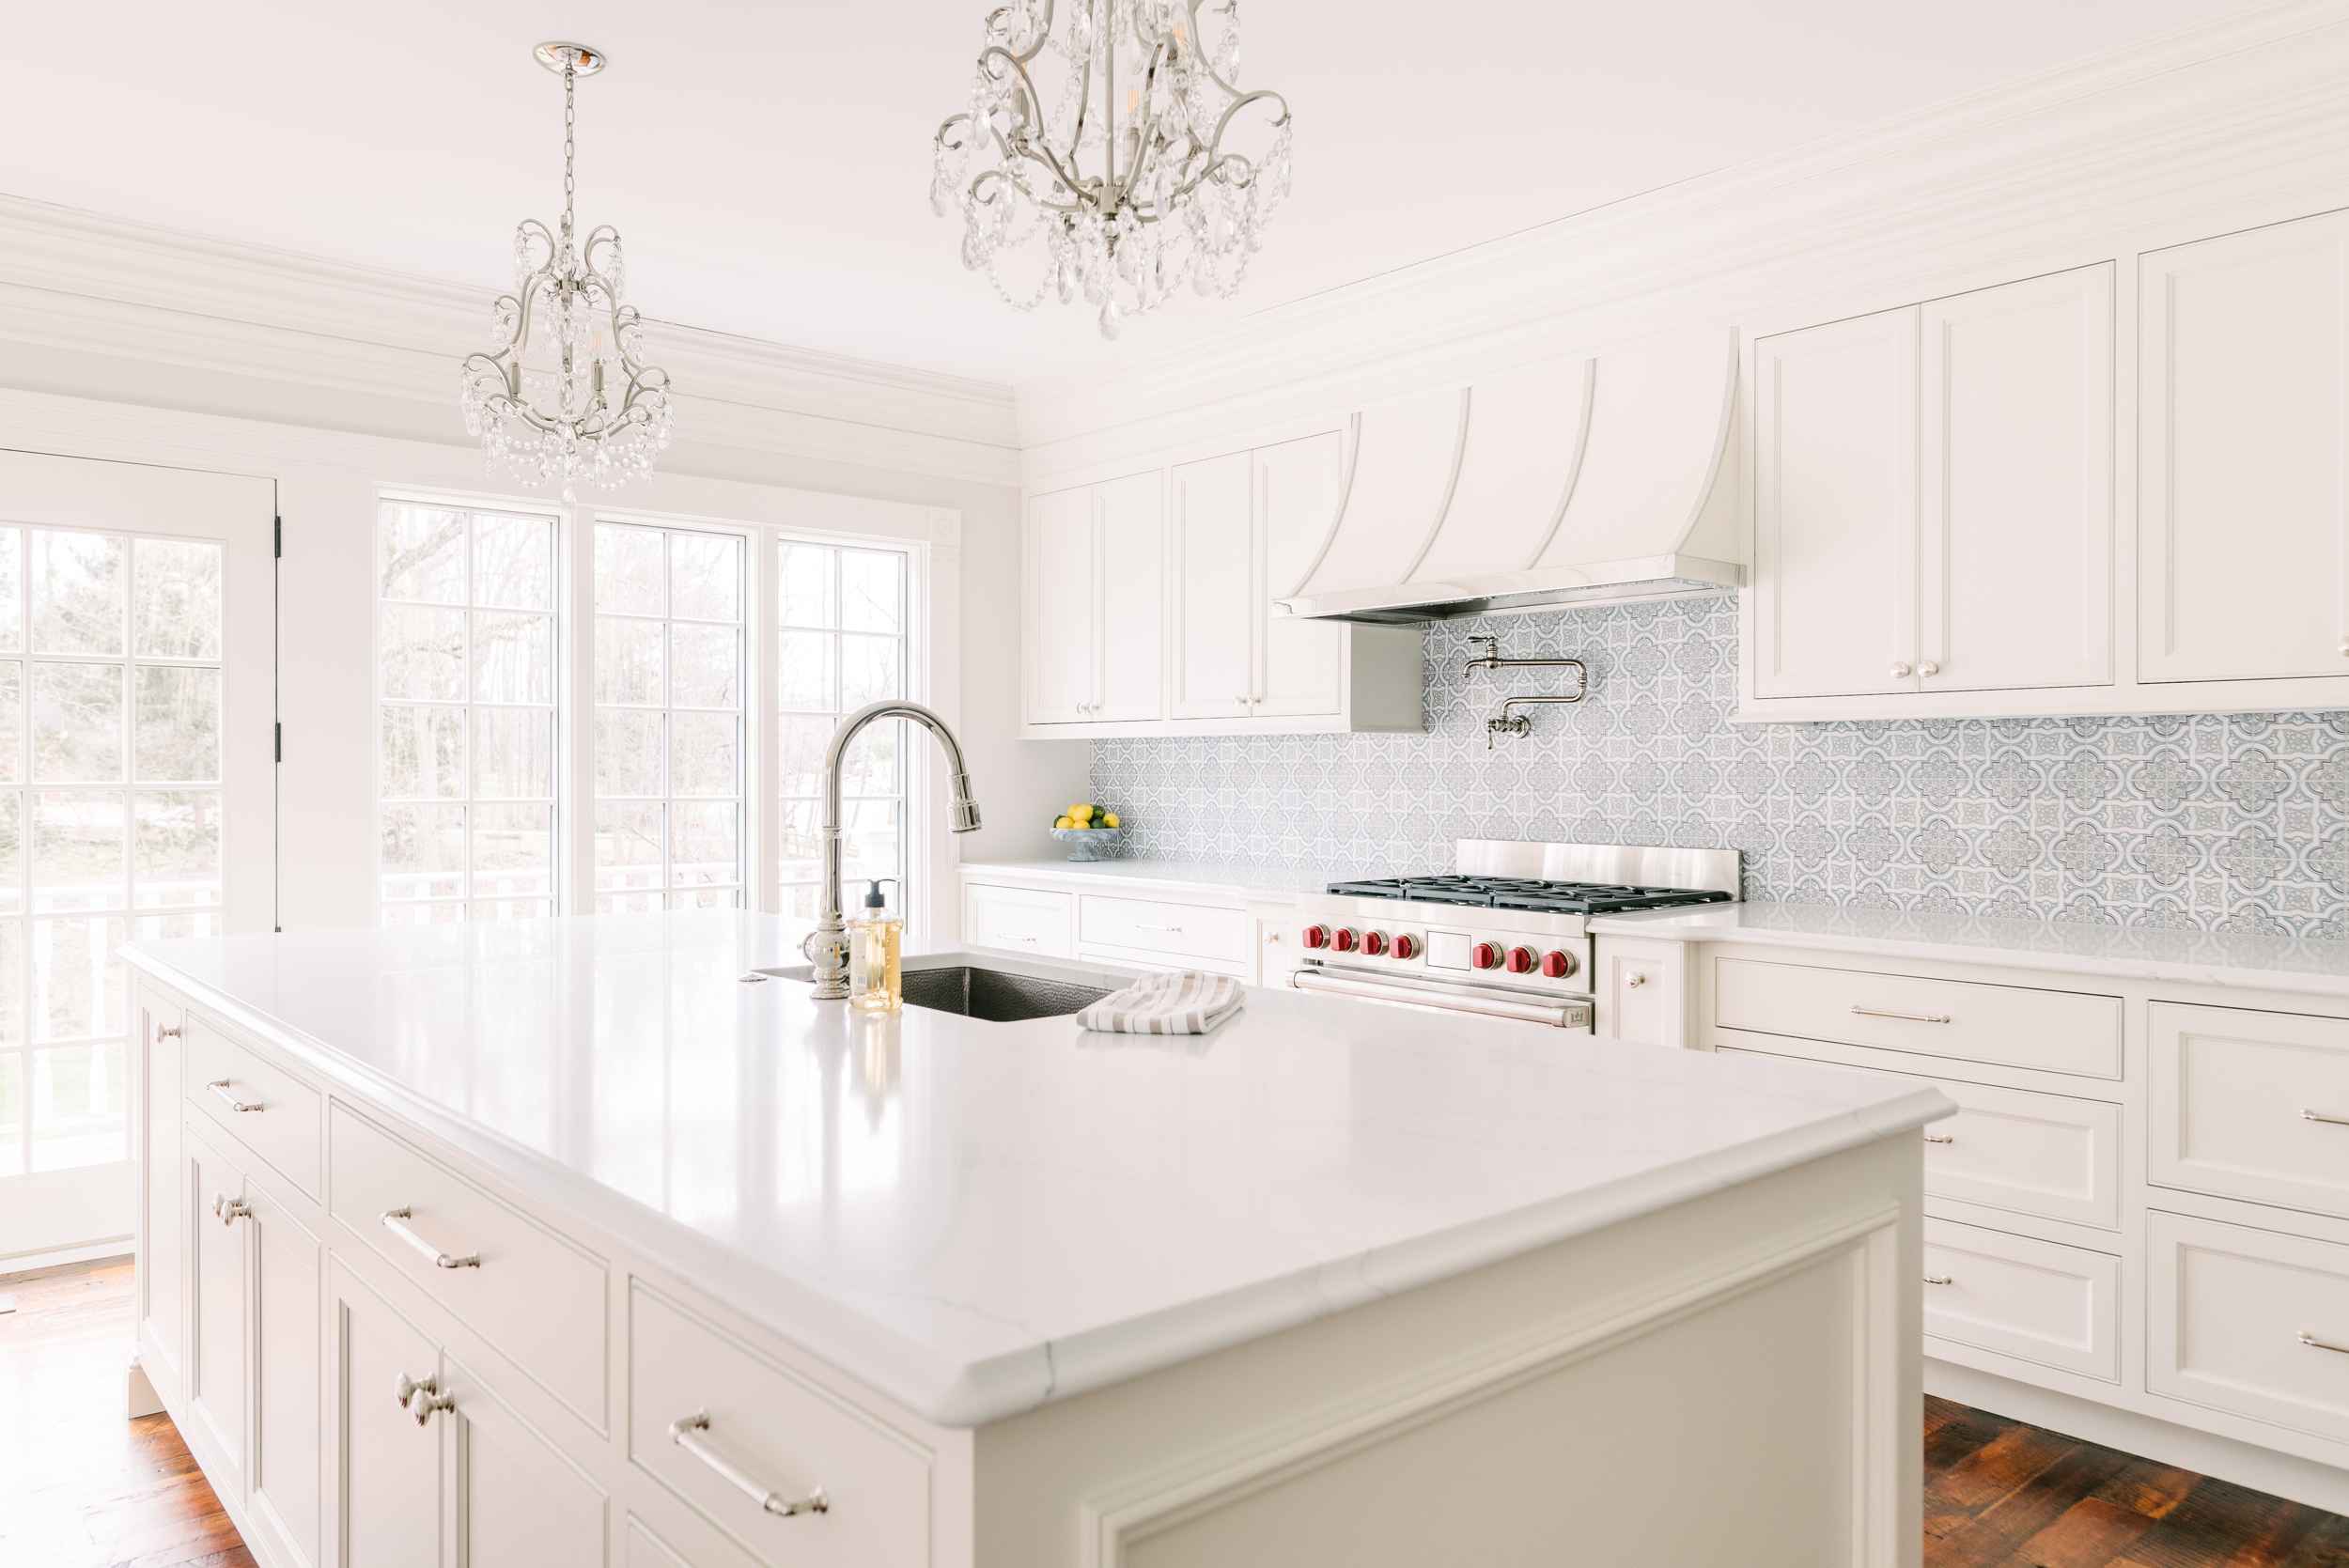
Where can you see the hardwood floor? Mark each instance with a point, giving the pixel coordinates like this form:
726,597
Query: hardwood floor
2003,1494
80,1488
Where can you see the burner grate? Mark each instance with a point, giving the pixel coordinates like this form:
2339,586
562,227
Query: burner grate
1526,894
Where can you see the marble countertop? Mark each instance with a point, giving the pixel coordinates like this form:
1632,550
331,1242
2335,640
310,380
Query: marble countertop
1257,883
2242,960
978,1218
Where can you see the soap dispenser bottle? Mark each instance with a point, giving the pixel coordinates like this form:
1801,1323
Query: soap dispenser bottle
876,943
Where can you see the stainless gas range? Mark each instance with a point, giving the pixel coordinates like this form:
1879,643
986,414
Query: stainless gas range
1505,935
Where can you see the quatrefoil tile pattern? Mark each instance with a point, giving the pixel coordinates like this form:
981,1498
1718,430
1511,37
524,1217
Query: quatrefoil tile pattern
2237,822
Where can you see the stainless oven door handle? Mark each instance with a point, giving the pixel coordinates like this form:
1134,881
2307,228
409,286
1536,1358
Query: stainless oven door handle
1569,1015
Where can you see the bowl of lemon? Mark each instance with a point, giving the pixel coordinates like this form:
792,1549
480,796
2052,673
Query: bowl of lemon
1088,831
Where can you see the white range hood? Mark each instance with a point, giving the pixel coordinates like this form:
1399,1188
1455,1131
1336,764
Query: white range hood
1570,481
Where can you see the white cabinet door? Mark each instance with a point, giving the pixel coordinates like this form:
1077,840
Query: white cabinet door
387,1469
1212,559
2016,573
1058,609
1130,562
164,1208
2243,437
517,1499
1835,508
1300,664
216,1266
287,1370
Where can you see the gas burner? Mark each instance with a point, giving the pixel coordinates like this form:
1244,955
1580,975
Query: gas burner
1529,893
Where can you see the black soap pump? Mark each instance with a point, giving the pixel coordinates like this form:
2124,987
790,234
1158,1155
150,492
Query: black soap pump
875,954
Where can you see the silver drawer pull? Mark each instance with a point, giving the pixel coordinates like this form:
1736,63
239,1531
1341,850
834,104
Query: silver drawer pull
2314,1344
2307,1115
1940,1137
1859,1010
220,1086
1175,930
1939,1280
229,1210
685,1433
393,1222
168,1032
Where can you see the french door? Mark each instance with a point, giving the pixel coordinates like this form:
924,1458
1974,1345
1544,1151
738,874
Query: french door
137,794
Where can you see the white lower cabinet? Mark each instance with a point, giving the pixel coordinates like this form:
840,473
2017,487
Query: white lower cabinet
2251,1105
388,1465
288,1364
514,1497
1038,922
2251,1322
2047,1155
217,1386
2035,1300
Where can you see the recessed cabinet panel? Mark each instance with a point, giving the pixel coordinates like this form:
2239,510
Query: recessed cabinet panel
1213,563
216,1368
1835,508
2251,1105
2243,426
1129,559
517,1499
2249,1321
2016,584
2058,1305
1302,668
287,1366
387,1464
163,1225
1057,650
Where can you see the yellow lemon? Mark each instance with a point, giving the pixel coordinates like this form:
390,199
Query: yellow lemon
1062,822
1109,819
1081,815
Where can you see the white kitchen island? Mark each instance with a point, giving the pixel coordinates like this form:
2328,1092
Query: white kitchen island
563,1243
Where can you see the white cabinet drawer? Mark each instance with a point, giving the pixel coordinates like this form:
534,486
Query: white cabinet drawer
761,1428
2035,1154
2225,1310
2015,1026
2035,1300
1024,920
264,1108
535,1296
2237,1105
1169,931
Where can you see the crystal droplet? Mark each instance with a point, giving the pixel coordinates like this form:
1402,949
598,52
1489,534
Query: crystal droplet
1113,320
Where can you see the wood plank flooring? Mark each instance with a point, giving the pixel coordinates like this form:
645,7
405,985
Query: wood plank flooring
80,1488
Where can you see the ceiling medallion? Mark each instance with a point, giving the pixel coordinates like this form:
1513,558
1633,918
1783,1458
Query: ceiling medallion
1125,191
566,394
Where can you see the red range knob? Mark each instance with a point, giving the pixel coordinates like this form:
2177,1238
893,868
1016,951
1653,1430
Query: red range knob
1520,960
1344,940
1557,965
1485,956
1373,942
1317,936
1407,947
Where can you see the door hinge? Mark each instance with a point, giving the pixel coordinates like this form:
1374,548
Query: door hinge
281,537
281,741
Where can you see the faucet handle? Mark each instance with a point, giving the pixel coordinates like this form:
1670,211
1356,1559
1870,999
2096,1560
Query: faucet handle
1490,645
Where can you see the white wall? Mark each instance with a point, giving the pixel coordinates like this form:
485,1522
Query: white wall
328,480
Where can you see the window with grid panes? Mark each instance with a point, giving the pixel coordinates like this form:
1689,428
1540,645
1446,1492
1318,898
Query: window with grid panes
841,615
465,726
668,730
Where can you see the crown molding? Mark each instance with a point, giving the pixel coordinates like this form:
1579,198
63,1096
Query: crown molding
84,282
2203,119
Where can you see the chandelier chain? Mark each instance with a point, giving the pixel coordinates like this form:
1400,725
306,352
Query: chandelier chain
570,144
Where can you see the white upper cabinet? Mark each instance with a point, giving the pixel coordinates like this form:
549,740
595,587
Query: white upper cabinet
1934,499
2243,527
1833,604
1299,664
2015,572
1213,572
1094,579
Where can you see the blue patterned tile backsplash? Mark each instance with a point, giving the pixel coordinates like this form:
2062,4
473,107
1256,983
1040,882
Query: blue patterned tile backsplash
2213,823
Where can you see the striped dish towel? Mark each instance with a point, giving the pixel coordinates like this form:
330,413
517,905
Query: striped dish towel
1185,1003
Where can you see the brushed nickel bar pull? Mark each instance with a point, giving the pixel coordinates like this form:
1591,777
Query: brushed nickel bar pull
220,1086
1939,1280
2314,1344
2307,1115
393,1222
1859,1010
1940,1137
685,1433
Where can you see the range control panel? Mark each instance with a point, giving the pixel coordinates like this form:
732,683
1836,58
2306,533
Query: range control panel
1545,964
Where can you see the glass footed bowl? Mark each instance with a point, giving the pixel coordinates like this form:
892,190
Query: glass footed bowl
1088,844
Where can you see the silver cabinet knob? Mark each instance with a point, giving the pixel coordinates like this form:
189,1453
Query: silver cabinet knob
1929,668
1939,1280
229,1210
1901,670
1636,980
421,1396
2344,647
171,1030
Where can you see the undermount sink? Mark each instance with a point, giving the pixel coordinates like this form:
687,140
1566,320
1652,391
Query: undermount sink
998,996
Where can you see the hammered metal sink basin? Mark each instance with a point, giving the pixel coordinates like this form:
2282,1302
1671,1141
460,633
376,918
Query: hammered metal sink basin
998,996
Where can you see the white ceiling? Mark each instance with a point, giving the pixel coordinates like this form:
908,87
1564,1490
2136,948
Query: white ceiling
768,163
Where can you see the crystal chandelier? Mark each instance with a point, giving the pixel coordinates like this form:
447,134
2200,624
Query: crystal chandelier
566,394
1125,198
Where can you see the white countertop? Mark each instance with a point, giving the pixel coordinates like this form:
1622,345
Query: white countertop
1245,882
2247,960
977,1218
